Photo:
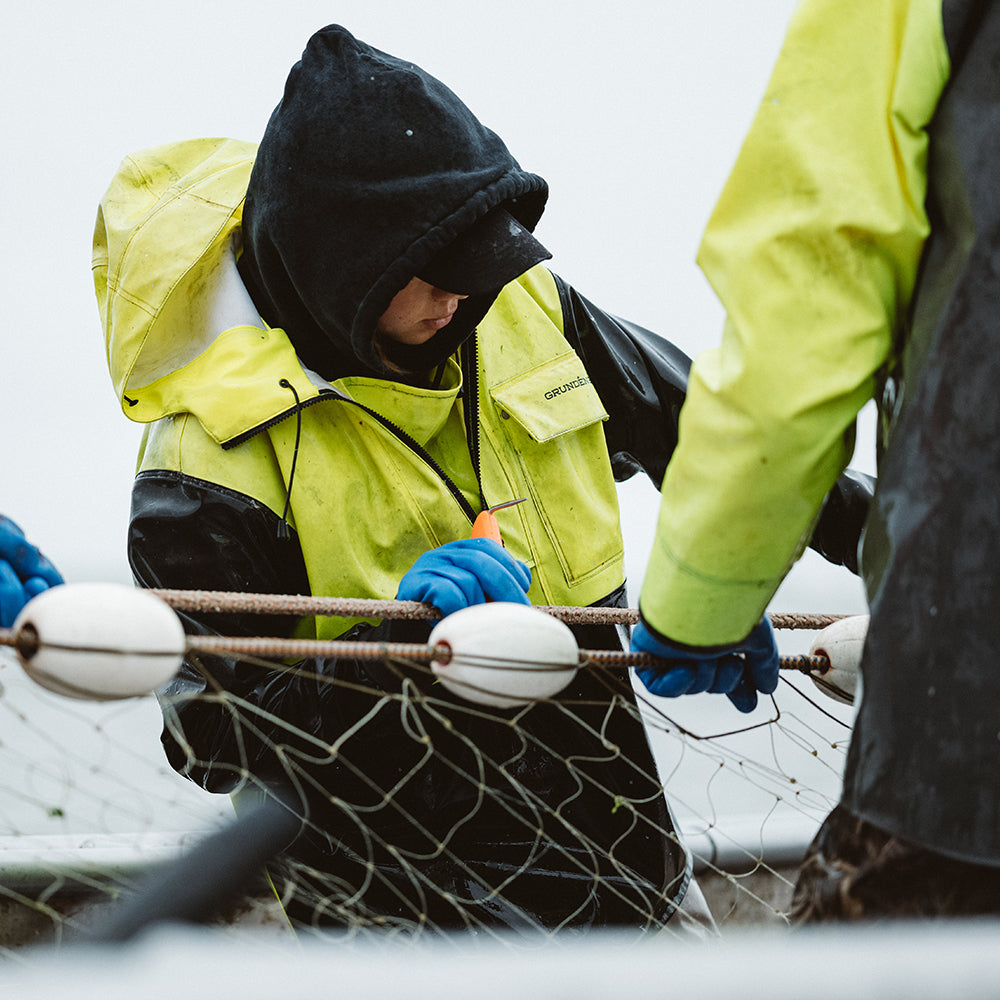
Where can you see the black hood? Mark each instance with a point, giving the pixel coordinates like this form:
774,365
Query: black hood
368,167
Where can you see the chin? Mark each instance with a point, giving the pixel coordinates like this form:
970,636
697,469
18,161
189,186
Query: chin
418,337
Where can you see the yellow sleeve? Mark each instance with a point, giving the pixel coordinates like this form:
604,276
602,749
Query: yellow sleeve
813,250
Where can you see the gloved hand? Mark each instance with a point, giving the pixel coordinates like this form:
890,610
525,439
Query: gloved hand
24,571
738,671
470,571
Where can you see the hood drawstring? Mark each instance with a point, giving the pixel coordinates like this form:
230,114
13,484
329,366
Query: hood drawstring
283,529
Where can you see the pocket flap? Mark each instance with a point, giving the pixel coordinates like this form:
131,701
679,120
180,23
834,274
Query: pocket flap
552,399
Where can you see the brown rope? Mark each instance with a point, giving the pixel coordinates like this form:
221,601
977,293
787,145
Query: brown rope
263,646
231,602
223,601
260,646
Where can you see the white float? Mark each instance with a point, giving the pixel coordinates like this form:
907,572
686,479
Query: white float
98,641
842,644
505,655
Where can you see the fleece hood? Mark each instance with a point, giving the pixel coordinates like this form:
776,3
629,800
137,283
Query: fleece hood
369,166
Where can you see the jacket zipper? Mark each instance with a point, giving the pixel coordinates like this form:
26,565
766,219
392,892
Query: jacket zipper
290,412
422,453
470,407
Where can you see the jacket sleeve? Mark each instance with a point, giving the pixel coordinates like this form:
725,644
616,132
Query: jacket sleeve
189,534
813,249
642,380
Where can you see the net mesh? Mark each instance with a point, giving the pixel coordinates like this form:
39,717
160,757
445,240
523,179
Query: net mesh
425,811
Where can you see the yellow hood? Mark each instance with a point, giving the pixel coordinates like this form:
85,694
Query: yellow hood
181,332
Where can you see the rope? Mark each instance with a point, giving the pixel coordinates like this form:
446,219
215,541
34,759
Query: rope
360,650
263,646
224,601
231,602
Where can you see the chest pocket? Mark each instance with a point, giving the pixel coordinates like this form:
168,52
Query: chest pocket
552,419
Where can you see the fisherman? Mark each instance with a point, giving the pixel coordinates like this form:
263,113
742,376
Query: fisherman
24,571
858,239
345,347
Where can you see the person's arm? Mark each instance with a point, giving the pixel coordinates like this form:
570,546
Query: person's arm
813,250
642,381
640,377
189,534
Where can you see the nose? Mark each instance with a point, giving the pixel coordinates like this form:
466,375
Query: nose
450,299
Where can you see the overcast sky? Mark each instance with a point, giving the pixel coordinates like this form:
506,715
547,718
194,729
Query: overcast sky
634,114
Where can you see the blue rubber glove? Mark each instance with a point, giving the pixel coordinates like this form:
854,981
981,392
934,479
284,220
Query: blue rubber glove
24,571
738,671
460,574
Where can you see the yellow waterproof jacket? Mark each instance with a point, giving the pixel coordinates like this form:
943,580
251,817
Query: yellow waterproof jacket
356,466
813,249
368,474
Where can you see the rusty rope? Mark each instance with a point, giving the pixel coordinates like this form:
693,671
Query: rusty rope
263,646
224,601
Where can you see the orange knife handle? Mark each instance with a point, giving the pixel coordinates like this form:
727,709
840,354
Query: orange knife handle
486,526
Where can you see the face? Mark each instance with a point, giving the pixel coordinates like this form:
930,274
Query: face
417,312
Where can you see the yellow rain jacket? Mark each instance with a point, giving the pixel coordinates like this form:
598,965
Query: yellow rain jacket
856,248
258,474
813,249
229,402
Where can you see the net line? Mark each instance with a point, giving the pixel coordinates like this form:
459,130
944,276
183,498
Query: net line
441,732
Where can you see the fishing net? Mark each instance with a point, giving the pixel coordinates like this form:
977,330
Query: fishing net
424,811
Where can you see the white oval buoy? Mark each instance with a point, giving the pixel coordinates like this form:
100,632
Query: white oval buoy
98,641
505,655
841,643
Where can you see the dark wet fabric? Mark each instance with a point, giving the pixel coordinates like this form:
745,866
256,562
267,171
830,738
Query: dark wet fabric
368,168
855,871
925,754
492,252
